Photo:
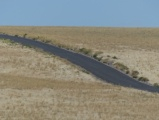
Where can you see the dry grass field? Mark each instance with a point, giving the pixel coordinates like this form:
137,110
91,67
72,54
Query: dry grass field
37,86
137,48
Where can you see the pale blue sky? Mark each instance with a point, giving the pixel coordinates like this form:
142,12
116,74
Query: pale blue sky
109,13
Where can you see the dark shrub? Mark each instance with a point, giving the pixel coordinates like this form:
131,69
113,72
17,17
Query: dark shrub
143,79
121,66
47,41
114,57
127,72
25,35
95,56
85,51
156,85
135,74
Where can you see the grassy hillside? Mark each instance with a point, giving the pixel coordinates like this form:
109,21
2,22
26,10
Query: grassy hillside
136,48
98,38
36,85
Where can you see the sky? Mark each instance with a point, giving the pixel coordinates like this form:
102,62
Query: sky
100,13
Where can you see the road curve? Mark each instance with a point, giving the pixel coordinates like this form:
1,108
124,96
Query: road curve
104,72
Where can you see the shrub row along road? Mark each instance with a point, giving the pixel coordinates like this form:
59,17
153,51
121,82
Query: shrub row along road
104,72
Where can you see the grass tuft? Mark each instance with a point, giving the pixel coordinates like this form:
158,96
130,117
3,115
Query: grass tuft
121,67
143,79
85,51
134,74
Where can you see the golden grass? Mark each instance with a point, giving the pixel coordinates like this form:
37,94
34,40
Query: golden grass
28,98
92,37
35,85
19,60
137,48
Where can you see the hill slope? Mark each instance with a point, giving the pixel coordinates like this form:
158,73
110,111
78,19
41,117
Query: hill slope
36,85
136,48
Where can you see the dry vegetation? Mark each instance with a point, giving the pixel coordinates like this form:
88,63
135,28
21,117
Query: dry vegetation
19,60
36,85
137,48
